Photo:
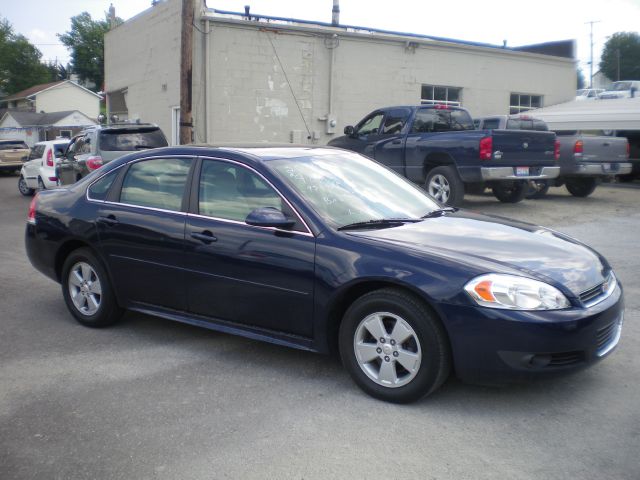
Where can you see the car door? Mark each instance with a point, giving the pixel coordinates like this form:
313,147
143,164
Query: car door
253,276
32,166
364,134
141,231
390,140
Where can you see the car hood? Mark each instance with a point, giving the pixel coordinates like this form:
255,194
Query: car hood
500,245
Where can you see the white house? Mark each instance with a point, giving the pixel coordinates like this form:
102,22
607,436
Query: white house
61,96
34,127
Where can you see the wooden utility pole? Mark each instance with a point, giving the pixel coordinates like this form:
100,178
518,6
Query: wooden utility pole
186,67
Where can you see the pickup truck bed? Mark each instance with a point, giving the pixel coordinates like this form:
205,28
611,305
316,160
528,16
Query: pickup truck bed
437,147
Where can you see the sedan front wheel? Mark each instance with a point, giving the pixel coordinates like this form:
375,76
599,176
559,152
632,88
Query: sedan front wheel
393,346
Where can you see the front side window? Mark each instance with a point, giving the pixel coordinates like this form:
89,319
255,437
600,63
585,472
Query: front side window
395,120
231,192
439,94
521,102
157,183
370,125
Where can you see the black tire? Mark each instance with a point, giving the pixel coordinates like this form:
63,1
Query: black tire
537,189
626,178
41,185
444,185
510,192
107,312
428,343
23,188
581,187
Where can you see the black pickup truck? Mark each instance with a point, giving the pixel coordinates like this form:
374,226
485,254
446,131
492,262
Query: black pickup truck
437,146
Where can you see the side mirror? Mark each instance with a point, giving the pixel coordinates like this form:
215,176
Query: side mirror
269,217
349,130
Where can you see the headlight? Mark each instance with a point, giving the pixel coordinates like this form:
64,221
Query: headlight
515,293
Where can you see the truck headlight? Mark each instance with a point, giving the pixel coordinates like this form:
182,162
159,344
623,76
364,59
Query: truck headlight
515,293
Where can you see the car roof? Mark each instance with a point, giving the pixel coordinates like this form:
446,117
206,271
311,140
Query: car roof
54,142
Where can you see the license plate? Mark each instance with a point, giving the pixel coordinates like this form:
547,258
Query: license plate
522,171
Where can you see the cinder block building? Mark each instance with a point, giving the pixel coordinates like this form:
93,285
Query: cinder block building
261,78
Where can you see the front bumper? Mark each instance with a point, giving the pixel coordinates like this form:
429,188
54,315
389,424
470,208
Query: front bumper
492,346
510,173
599,169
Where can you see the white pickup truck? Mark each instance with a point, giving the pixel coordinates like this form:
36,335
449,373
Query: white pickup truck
585,159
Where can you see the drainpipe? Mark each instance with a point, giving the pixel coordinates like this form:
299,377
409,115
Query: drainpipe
207,79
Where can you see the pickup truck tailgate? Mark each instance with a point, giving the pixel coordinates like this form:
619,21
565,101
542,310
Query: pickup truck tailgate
604,149
522,148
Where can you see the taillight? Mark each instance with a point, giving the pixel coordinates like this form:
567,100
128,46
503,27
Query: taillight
94,163
556,150
50,158
486,148
31,217
578,148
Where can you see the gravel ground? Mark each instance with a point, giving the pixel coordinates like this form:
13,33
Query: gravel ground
151,399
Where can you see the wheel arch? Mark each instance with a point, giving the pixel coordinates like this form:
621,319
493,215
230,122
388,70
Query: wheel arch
349,294
437,159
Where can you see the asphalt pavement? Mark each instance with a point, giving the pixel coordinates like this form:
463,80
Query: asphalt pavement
152,399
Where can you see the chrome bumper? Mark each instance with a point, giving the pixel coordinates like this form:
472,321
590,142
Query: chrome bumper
596,169
508,173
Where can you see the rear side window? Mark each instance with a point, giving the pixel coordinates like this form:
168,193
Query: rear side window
100,189
36,152
158,183
59,149
127,140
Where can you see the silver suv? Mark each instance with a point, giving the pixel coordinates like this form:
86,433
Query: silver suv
98,145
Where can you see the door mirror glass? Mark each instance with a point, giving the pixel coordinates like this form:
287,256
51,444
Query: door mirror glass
269,217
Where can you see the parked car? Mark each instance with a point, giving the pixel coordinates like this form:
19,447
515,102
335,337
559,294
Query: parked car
39,172
316,248
100,144
622,89
13,153
585,158
588,93
437,146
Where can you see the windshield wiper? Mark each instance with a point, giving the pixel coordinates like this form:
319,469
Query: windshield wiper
381,222
440,212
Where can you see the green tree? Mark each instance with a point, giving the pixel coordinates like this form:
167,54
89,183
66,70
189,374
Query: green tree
20,65
621,54
85,41
580,79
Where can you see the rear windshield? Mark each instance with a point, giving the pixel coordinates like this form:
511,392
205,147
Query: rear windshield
127,140
526,124
441,120
59,147
12,145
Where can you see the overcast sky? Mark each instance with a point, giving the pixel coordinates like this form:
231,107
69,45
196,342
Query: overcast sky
490,21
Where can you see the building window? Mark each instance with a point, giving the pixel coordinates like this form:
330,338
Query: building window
65,133
521,102
432,94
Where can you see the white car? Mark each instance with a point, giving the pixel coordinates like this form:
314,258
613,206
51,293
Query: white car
39,173
622,89
588,93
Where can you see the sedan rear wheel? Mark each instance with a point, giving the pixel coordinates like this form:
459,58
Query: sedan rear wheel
87,291
393,346
24,188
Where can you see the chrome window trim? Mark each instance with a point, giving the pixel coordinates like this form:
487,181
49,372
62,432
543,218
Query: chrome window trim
297,214
308,233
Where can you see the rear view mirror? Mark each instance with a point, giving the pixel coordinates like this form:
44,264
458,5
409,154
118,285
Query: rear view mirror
349,130
269,217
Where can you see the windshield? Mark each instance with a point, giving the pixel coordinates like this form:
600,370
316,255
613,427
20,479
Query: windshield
12,145
345,188
128,140
618,86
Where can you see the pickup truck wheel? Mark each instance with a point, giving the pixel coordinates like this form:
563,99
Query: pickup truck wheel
537,189
581,187
445,186
393,346
510,192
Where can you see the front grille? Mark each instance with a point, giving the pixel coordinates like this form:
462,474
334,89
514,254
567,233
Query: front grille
565,358
605,334
601,291
590,294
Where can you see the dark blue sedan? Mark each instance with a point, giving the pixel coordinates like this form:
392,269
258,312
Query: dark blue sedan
323,249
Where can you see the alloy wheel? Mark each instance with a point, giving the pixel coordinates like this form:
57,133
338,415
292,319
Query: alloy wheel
85,288
439,188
